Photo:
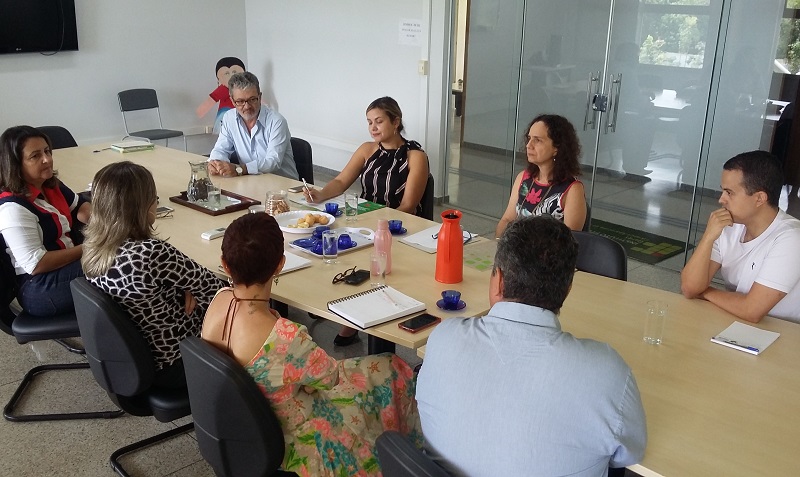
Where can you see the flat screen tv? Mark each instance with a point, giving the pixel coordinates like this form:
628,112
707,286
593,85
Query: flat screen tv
37,26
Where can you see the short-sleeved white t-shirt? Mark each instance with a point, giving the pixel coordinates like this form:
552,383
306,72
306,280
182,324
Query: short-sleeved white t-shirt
772,259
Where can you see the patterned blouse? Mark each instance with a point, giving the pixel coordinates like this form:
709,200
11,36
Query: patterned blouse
148,279
331,431
536,198
383,179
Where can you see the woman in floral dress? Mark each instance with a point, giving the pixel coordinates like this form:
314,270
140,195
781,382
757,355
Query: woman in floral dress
331,412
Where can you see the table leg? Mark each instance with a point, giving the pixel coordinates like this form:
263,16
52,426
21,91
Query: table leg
377,345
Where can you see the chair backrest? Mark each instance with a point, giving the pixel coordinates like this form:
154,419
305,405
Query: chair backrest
427,199
236,429
601,256
8,280
59,136
137,99
587,222
400,458
119,356
301,150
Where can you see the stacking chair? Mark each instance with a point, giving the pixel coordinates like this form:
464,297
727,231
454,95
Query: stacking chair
59,136
122,364
301,150
236,429
601,256
145,99
427,199
400,458
27,328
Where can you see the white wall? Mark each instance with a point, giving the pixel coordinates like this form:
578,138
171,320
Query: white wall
171,46
321,63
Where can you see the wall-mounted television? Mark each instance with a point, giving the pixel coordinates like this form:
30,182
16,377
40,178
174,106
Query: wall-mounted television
37,26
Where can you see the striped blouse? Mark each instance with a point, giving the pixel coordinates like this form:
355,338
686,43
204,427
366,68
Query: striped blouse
385,173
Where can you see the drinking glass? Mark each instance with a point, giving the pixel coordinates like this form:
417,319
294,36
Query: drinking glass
330,250
351,207
654,321
377,268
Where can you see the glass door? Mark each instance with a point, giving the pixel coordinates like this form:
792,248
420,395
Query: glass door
660,64
754,102
481,160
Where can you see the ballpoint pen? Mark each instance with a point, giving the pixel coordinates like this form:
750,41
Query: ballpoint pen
305,186
738,345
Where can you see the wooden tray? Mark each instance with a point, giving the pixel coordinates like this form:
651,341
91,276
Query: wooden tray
242,204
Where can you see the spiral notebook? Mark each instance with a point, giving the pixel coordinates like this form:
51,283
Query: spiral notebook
375,306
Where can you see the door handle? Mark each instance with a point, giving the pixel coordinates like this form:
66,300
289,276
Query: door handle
591,95
613,105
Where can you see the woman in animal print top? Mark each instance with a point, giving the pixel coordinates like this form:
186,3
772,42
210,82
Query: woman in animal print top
165,292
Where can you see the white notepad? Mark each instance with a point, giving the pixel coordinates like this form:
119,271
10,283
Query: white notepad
745,338
375,306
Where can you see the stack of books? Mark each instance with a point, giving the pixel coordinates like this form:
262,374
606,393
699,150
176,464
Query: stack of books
133,146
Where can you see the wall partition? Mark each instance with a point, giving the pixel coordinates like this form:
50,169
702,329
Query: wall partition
661,92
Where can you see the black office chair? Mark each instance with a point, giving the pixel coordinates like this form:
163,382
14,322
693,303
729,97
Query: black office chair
427,199
400,458
301,150
59,136
122,364
236,429
27,328
601,256
144,99
587,223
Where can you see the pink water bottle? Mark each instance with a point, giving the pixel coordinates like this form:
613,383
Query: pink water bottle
383,242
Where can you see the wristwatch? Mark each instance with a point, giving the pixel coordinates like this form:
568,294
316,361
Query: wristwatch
239,170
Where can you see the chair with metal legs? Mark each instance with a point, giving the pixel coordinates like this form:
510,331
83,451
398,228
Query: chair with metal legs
27,328
123,365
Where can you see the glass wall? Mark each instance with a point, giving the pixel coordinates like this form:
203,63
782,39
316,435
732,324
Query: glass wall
688,83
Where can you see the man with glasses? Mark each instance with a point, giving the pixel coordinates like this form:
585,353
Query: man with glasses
253,139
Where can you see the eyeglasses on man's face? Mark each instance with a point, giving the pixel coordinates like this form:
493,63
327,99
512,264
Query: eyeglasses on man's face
251,101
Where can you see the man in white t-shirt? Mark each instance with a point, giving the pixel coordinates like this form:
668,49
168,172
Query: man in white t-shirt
754,245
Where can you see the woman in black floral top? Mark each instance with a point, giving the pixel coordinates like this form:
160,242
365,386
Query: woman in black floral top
165,292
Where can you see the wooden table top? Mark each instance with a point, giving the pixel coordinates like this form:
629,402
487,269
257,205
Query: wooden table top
309,289
710,410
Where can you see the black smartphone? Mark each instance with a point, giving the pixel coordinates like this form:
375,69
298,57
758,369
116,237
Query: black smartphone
419,322
357,277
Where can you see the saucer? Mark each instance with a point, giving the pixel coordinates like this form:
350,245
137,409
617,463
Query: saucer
338,213
402,231
461,305
306,242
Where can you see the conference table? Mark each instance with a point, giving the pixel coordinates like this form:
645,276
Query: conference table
308,289
710,410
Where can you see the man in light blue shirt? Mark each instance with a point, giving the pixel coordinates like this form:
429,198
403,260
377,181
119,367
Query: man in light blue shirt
258,135
512,394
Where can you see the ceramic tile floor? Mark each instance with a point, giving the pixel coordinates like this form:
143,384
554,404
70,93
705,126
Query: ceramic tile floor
82,448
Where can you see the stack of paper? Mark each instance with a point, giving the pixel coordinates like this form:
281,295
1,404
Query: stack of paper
133,146
428,239
746,338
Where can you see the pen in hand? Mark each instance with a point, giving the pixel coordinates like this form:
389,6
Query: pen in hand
307,189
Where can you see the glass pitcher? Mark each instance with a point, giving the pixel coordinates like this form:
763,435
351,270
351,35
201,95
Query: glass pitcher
199,183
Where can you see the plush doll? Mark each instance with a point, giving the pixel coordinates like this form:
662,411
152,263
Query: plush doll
226,67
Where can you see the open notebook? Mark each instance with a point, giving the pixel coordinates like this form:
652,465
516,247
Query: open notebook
375,306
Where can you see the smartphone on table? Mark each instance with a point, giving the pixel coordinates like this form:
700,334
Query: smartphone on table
419,322
296,189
